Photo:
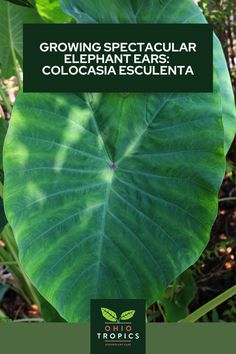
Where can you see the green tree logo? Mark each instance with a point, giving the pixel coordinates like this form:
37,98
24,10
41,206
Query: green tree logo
112,316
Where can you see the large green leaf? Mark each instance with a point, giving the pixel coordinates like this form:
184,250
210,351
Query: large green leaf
115,194
11,29
86,229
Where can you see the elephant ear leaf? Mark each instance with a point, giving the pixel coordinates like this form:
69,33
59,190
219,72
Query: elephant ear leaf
127,315
109,314
115,195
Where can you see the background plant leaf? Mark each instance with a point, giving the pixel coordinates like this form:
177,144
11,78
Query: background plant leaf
3,132
51,11
21,2
176,305
109,314
11,29
3,317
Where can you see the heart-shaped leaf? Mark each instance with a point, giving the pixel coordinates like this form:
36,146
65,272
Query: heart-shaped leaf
113,198
115,195
127,315
109,314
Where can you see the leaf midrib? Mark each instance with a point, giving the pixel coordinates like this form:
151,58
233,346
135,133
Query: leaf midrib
109,184
106,201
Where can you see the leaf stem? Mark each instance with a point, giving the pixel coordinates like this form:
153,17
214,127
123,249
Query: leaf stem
203,310
161,311
15,62
173,290
7,263
227,199
31,292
